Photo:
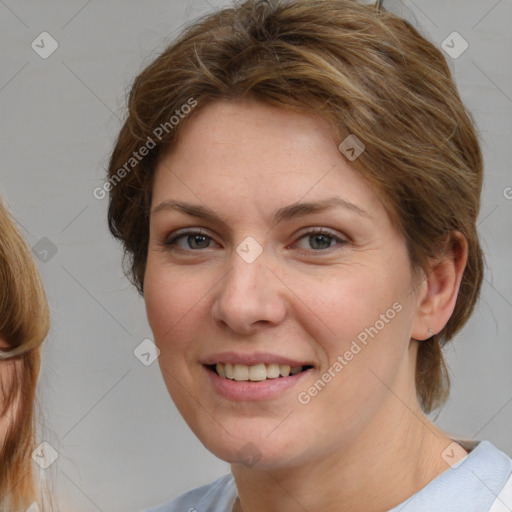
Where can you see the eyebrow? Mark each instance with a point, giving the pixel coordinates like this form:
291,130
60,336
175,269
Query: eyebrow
291,211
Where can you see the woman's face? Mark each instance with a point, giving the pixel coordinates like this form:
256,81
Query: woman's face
260,286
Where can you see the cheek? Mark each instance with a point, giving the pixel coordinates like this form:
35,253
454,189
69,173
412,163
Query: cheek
369,313
171,307
164,297
361,300
174,299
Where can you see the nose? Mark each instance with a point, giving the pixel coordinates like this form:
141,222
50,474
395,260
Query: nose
249,296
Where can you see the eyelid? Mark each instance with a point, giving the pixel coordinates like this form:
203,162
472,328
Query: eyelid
173,236
321,231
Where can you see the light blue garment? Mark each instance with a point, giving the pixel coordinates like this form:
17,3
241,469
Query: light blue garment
472,485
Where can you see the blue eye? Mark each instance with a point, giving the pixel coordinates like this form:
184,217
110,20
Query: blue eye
319,240
192,238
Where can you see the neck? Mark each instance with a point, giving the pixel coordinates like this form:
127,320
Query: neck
396,456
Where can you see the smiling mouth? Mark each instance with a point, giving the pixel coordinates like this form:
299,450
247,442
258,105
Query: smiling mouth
255,373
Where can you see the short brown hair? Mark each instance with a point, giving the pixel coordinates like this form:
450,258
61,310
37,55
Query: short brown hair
24,324
367,72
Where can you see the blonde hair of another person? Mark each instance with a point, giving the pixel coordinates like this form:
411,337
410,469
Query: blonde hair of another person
24,324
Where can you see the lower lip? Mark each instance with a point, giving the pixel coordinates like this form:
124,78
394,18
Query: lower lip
253,390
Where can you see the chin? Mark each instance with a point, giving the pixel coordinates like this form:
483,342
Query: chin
253,446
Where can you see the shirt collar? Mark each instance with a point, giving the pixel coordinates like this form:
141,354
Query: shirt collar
472,485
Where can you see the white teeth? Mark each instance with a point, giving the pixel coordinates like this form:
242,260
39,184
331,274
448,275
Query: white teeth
220,369
272,371
257,372
284,370
241,372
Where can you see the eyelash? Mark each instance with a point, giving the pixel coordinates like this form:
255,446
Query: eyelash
319,231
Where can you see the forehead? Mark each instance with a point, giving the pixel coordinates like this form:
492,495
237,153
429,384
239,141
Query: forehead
236,128
266,154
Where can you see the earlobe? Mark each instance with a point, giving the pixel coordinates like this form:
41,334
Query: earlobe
443,283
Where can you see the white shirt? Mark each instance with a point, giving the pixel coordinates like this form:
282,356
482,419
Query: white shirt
482,482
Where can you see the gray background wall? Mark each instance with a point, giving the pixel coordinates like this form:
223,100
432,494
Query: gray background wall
121,444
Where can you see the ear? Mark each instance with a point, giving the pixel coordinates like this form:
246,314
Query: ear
440,288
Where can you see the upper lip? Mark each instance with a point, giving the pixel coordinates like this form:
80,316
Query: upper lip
252,359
